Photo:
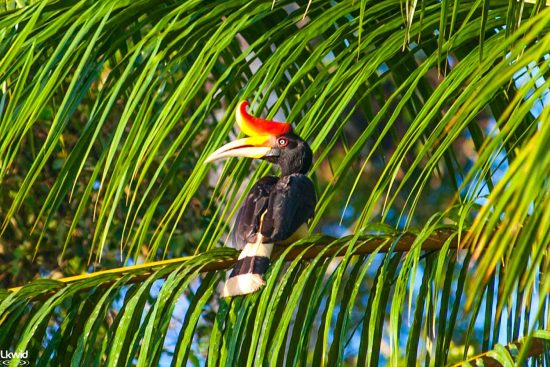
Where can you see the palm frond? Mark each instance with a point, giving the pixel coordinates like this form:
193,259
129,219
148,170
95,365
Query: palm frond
280,324
108,110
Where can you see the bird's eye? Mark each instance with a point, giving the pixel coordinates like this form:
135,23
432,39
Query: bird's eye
283,142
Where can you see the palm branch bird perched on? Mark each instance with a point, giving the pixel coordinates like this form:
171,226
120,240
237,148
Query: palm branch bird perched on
276,210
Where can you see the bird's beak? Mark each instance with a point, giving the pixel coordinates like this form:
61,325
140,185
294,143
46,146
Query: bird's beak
252,147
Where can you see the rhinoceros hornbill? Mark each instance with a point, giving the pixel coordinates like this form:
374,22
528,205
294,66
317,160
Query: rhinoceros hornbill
276,210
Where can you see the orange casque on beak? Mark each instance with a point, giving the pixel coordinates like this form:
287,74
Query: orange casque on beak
254,126
261,134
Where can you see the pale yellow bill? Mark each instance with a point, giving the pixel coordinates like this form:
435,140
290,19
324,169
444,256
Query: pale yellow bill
252,147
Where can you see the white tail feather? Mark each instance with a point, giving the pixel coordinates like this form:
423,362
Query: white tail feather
257,249
242,284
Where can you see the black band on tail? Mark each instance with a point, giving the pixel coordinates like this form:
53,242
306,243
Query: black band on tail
250,264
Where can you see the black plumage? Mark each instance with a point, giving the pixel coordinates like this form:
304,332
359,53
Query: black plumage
285,204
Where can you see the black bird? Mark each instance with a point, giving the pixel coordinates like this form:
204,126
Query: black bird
276,210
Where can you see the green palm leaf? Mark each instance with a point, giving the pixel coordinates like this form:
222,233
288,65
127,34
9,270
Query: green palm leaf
109,109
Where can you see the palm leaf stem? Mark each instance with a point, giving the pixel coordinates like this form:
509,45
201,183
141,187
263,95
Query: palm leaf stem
366,245
495,357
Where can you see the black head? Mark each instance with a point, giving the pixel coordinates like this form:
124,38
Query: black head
291,153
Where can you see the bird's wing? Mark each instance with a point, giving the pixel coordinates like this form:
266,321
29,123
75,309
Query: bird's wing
256,203
291,203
